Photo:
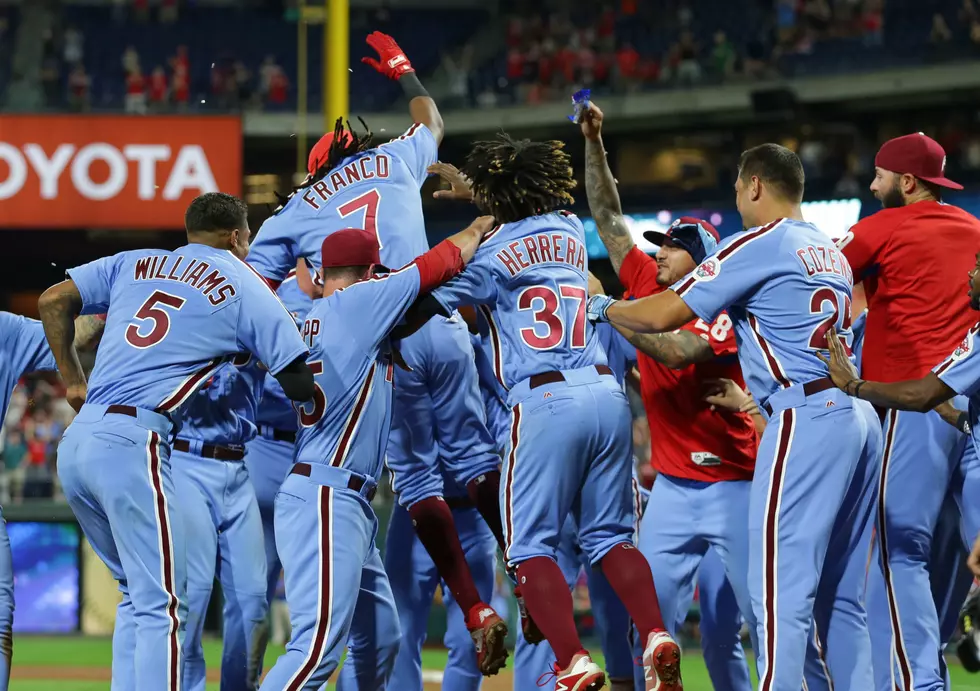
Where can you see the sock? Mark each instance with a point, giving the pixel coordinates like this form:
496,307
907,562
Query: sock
550,604
434,525
628,572
484,492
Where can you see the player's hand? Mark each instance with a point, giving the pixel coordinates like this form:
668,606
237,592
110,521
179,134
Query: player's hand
842,371
483,225
595,285
596,308
459,185
393,63
727,395
974,560
591,122
75,395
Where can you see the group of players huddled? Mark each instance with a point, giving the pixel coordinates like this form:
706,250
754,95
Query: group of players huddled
247,395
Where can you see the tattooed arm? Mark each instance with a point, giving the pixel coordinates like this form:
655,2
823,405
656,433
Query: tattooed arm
88,331
675,350
59,305
600,187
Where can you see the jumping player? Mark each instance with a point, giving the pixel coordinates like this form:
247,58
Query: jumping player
784,285
437,404
908,332
570,430
174,317
325,526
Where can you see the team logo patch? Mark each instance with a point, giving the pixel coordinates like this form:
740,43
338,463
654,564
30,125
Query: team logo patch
708,270
547,395
963,349
829,404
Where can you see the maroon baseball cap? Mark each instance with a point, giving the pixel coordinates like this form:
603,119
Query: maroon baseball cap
350,247
318,154
695,235
918,155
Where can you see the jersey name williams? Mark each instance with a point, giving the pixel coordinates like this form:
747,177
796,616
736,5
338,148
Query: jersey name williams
214,284
542,248
372,167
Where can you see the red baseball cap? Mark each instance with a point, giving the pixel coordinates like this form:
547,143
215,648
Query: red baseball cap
918,155
350,247
318,154
695,235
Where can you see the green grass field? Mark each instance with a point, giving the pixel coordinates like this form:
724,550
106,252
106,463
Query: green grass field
60,655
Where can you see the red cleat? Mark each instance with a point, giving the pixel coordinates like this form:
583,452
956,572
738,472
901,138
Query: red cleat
489,633
662,663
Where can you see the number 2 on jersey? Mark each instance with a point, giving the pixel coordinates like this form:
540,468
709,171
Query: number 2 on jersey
546,304
151,311
839,317
369,203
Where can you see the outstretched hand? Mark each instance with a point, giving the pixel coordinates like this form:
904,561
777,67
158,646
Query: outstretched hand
393,63
591,121
842,370
726,394
459,184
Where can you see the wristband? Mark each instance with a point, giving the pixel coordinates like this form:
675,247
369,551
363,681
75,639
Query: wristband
597,306
857,388
412,86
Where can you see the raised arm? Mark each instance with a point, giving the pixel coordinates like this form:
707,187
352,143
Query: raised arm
59,305
658,313
394,64
600,188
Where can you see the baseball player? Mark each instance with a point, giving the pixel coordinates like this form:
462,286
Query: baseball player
437,404
570,429
908,332
784,286
336,587
23,349
174,317
223,528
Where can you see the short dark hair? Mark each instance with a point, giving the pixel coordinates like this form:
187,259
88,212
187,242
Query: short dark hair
215,211
777,167
515,179
354,273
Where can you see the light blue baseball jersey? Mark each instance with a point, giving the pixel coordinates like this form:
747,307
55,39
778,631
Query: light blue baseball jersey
620,353
174,318
486,346
784,285
961,372
223,411
275,410
346,424
377,190
23,349
857,328
535,274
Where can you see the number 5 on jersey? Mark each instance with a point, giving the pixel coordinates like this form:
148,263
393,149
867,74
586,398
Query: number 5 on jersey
547,308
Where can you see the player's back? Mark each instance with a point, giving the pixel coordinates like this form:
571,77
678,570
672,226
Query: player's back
376,190
223,410
173,319
788,285
540,270
914,261
23,348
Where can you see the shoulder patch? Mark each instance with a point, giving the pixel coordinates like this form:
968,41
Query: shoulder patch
963,349
708,270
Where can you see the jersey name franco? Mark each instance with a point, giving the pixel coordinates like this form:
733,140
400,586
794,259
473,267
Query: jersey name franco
375,166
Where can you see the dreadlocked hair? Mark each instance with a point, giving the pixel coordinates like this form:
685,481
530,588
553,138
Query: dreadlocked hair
340,148
514,179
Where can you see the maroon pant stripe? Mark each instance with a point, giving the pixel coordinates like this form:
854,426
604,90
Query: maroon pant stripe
166,555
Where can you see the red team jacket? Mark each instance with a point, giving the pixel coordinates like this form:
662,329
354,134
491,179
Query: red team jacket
914,262
689,440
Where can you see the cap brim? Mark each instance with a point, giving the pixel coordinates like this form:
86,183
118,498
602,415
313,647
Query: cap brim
654,237
944,182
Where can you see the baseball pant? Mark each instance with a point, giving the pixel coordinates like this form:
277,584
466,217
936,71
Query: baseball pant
268,463
224,539
414,579
438,416
715,521
565,456
920,459
115,473
335,586
810,508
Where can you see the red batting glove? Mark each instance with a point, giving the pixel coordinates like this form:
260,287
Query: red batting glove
393,62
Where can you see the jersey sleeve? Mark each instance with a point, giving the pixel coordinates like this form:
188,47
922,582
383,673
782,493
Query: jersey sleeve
265,327
417,148
727,277
961,370
94,282
638,273
273,252
862,244
475,285
26,343
384,298
719,333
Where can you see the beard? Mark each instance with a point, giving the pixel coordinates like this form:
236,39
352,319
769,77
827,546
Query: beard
892,199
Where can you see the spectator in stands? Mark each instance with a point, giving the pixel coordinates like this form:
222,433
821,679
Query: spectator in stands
130,60
74,48
180,81
975,34
135,102
168,11
141,10
817,15
274,84
15,463
487,98
940,33
79,89
457,69
722,56
968,13
242,82
627,62
872,22
158,89
688,67
786,20
51,80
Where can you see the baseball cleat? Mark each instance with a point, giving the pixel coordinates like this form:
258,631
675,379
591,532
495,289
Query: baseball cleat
662,663
582,675
489,633
532,634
